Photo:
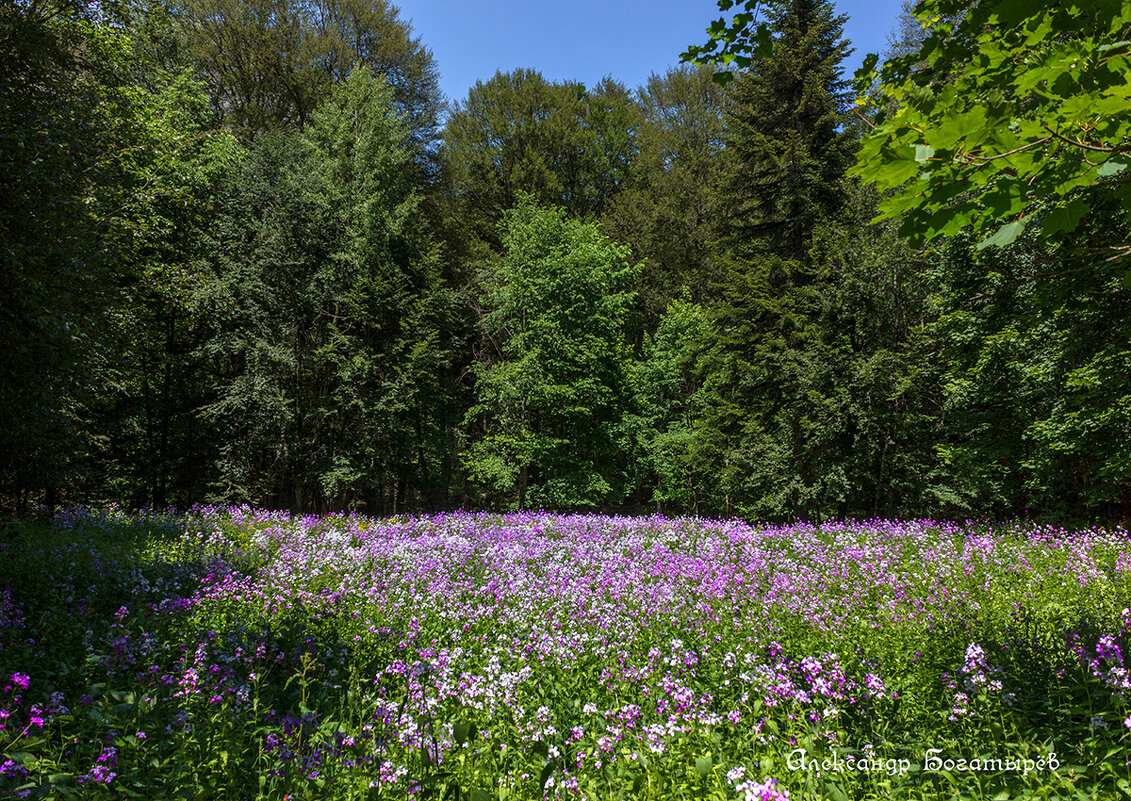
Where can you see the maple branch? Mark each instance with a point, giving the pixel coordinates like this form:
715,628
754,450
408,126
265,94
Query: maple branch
1084,145
981,160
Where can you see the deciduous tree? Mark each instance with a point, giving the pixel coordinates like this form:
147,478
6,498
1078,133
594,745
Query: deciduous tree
551,377
559,142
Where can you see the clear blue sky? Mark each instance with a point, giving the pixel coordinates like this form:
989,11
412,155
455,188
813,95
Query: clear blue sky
586,40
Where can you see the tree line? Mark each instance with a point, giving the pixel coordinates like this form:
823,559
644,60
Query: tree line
249,255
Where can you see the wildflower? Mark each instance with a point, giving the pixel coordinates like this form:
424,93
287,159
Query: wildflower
21,679
961,706
10,768
103,769
1108,650
764,791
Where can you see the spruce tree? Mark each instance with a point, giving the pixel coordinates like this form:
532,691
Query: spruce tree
787,144
777,429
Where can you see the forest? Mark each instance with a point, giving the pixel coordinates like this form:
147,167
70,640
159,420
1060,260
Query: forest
249,254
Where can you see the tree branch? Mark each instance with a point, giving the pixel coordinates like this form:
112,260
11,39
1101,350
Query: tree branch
1083,145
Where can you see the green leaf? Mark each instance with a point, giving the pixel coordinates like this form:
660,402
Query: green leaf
1004,235
835,792
959,126
547,772
1111,167
897,166
460,732
1011,12
1064,218
703,766
864,76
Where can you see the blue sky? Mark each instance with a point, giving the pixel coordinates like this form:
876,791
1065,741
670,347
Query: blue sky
588,39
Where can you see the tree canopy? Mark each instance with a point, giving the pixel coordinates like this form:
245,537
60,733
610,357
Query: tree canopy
1008,112
241,261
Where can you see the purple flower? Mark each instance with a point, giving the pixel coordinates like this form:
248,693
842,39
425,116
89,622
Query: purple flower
762,791
102,771
10,768
1108,650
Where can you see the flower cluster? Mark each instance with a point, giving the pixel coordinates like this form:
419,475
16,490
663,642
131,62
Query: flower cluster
597,643
769,790
102,771
977,678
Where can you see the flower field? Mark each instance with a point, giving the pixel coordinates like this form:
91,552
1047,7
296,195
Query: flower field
236,653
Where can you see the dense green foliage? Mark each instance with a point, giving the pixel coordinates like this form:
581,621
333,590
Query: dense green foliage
667,212
324,304
241,260
1007,113
518,134
778,400
551,384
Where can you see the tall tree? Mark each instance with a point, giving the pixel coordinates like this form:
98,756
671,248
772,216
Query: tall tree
668,213
518,133
787,143
154,449
551,379
326,300
271,62
778,416
94,150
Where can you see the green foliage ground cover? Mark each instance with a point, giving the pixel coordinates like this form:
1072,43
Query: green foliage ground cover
235,653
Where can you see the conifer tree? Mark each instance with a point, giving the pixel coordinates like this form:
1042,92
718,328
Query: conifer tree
787,144
777,432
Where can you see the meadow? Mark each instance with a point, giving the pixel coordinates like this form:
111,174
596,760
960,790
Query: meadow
233,653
